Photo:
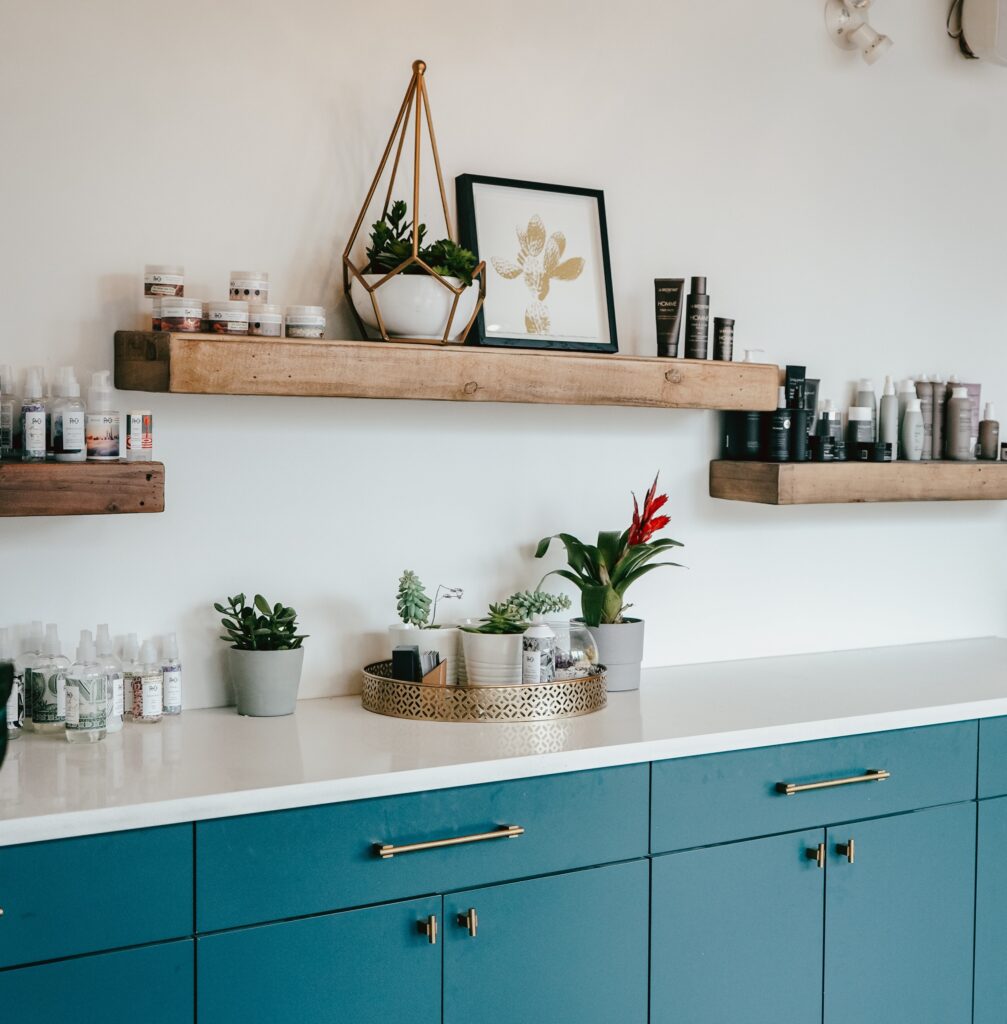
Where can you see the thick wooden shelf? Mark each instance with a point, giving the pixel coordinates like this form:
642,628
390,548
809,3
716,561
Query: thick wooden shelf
206,364
80,488
824,483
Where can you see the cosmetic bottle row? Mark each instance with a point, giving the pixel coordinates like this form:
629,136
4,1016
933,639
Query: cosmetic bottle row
39,422
92,696
668,295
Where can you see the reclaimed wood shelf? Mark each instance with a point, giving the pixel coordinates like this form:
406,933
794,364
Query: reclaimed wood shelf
80,488
208,364
824,483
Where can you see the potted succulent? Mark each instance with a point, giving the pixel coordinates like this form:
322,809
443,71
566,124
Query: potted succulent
414,303
493,647
603,572
418,614
264,657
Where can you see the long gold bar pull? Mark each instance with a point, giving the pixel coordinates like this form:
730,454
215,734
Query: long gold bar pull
470,921
817,854
870,775
846,850
429,928
386,851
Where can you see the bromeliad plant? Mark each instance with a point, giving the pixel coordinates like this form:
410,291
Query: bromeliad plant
392,244
603,572
259,627
502,619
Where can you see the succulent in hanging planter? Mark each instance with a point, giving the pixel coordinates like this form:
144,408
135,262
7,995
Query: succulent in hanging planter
392,245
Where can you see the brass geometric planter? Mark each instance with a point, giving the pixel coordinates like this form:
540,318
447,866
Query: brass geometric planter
415,107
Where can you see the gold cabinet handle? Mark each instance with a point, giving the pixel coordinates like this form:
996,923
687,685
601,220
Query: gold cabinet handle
386,851
817,854
470,921
429,929
870,775
846,850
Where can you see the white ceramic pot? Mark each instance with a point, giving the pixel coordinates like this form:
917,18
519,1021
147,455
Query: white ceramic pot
265,682
620,650
492,659
443,640
414,305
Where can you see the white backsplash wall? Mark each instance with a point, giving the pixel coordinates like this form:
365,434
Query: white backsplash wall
850,218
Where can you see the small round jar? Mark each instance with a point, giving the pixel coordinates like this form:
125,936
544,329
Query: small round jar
181,315
249,286
163,279
206,317
229,317
305,321
155,314
264,320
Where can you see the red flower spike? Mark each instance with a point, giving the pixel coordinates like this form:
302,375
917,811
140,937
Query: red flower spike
646,524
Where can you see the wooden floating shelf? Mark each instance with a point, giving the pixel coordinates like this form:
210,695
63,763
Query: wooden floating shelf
80,488
825,483
208,364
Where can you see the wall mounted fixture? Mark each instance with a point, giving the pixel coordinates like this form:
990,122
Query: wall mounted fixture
847,23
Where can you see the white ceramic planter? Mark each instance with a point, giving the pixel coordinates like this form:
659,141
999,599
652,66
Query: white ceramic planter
443,640
492,659
620,650
265,682
414,305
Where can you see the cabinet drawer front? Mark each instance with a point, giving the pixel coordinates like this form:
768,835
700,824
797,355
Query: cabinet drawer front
716,798
993,757
152,985
71,896
267,867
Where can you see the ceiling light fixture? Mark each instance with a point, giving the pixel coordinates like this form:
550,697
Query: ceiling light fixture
847,23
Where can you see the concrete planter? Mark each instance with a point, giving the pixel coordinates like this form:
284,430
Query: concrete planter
265,682
620,650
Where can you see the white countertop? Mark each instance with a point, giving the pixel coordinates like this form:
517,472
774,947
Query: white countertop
210,764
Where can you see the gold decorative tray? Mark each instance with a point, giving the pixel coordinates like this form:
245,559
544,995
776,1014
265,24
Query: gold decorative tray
531,702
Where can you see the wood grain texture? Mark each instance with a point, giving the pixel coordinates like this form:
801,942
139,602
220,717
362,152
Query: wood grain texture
824,483
209,365
80,488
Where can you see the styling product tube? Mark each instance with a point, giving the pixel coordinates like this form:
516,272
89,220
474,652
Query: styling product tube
888,417
723,338
730,427
940,407
668,293
830,423
859,427
989,435
697,320
799,449
925,393
907,390
750,445
975,392
811,401
778,439
794,383
912,431
959,425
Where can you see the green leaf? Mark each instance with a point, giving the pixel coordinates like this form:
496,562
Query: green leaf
634,576
609,548
592,603
262,604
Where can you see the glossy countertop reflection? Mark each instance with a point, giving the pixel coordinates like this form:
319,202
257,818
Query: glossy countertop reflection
215,763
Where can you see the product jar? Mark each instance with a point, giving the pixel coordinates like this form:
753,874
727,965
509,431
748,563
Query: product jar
265,320
163,279
180,314
249,286
155,314
229,317
305,321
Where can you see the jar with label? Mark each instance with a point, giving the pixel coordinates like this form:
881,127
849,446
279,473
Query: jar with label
181,314
163,279
305,321
265,320
139,435
155,314
86,702
229,317
538,647
249,286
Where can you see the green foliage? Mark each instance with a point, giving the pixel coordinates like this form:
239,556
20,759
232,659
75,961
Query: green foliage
502,618
413,601
259,627
538,602
392,244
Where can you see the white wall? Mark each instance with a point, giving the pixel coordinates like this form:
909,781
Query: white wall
849,217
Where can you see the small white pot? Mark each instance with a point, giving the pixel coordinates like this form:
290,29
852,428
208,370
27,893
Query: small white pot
492,659
443,640
620,650
414,305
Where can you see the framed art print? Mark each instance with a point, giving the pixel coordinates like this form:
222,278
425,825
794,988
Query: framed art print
548,278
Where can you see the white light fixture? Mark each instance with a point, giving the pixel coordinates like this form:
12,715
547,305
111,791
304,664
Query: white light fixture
847,23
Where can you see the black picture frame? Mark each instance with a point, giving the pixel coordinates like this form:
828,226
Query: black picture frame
468,232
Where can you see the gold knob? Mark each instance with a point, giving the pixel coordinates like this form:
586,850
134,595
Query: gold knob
846,850
429,928
470,921
817,854
419,66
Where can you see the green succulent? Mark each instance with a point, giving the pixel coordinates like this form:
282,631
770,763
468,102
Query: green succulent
259,627
502,619
392,244
538,602
413,601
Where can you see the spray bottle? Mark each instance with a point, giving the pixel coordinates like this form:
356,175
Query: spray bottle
33,432
109,664
171,670
48,709
10,416
102,420
86,702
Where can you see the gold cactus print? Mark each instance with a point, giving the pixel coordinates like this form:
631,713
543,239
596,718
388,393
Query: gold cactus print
540,262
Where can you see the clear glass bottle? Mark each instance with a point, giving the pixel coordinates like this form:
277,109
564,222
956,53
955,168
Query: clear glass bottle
15,702
86,704
112,668
48,711
132,677
150,707
171,669
67,421
31,651
10,415
33,419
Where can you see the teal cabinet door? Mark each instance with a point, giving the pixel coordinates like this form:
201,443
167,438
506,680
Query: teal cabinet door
899,918
354,967
565,949
737,932
991,913
152,985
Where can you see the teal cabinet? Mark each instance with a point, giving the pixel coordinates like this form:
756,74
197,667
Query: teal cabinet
991,913
377,964
565,949
152,985
899,932
737,932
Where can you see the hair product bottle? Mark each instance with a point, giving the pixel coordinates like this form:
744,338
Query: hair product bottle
132,676
912,431
86,701
150,706
15,702
866,399
697,320
907,390
668,310
66,421
33,432
778,430
538,647
723,338
940,406
989,435
48,676
110,665
888,416
10,416
31,651
959,426
171,671
102,419
925,393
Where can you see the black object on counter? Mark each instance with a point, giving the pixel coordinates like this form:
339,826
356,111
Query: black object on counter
697,320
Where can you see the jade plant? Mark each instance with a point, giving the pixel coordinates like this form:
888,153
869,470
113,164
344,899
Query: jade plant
392,244
414,605
501,619
259,627
538,602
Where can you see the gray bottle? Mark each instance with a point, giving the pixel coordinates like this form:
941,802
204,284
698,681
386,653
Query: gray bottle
989,435
888,417
958,443
866,399
940,410
912,431
925,393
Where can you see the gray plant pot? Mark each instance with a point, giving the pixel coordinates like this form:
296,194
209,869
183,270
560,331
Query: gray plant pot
620,650
265,682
